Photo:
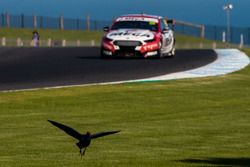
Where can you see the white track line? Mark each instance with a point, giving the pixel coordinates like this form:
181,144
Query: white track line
228,61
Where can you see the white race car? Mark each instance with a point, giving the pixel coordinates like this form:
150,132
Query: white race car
139,35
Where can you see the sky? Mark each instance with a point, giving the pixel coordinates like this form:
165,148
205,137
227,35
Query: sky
207,12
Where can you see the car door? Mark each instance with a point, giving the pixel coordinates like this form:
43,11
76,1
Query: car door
167,34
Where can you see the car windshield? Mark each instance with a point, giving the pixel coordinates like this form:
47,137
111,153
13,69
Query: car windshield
152,26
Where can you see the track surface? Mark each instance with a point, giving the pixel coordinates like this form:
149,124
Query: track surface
25,68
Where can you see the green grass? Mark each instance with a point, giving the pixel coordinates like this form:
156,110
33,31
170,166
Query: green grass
26,34
70,35
190,122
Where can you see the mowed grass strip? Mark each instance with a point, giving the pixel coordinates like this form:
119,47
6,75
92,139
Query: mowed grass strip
190,122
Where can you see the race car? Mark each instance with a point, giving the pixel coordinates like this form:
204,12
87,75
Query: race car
139,35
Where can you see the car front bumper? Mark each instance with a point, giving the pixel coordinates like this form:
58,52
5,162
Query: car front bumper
130,49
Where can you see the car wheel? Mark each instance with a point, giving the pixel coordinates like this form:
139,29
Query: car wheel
172,53
103,56
160,53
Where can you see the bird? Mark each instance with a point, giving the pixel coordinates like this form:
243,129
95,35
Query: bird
84,140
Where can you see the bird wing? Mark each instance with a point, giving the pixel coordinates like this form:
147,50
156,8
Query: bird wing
96,135
67,129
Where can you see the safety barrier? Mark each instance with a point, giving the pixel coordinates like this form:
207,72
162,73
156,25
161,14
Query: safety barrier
237,35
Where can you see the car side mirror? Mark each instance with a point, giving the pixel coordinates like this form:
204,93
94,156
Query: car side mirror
165,30
106,29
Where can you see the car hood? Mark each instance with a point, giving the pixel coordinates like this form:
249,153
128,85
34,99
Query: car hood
131,35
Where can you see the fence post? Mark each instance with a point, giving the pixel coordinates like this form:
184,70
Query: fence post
88,22
34,21
61,22
41,21
241,41
32,42
22,21
78,43
214,45
49,42
7,20
3,41
2,15
19,42
202,31
201,45
92,42
64,43
78,24
223,36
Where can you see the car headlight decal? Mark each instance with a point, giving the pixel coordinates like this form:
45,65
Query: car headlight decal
106,39
150,40
168,41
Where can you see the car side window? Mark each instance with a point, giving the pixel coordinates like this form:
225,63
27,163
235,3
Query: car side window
164,25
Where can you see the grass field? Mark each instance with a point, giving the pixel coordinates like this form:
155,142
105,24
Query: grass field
190,122
26,34
57,35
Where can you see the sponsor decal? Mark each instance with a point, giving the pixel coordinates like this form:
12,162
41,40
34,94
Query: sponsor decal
150,47
152,23
137,19
107,53
151,53
129,33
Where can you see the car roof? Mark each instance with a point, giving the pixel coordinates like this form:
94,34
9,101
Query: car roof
139,17
143,16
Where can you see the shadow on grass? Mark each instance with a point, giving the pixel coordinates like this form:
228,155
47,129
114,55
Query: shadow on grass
226,162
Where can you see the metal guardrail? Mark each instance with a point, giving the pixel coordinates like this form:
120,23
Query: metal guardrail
238,35
200,28
39,22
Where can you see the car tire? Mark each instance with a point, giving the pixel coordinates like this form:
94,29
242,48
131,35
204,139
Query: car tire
103,56
172,52
160,53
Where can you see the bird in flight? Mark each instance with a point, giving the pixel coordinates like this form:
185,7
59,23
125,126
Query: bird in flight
84,140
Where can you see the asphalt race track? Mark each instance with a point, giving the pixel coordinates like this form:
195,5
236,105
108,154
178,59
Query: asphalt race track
26,68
